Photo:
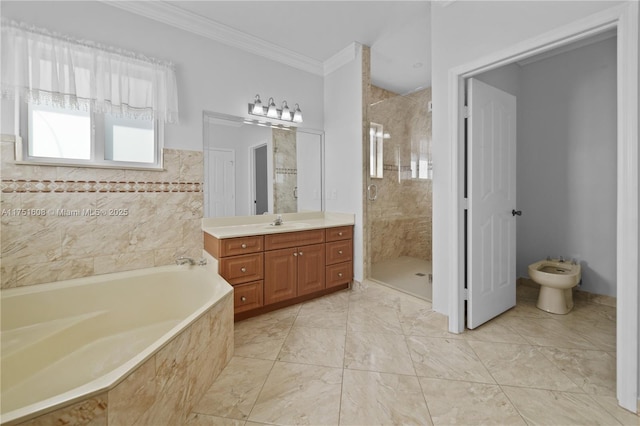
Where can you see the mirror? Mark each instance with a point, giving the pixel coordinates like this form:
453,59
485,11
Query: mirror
256,167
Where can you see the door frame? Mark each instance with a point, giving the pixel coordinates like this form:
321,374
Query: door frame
252,174
624,19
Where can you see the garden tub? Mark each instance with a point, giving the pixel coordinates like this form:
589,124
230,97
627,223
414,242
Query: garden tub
135,347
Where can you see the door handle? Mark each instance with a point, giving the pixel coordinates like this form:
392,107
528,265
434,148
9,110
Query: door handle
515,212
372,192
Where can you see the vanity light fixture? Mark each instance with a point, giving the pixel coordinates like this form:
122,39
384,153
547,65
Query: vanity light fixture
256,107
271,111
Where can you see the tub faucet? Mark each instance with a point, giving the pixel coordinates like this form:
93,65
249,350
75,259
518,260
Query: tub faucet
182,260
278,220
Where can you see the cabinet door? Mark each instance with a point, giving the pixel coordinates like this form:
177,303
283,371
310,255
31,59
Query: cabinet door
339,233
280,275
311,269
339,251
341,273
247,296
241,269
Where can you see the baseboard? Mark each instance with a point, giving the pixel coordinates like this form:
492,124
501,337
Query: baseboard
578,294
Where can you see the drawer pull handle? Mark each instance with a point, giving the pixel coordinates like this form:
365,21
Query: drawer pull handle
340,274
339,251
243,299
243,245
243,269
340,234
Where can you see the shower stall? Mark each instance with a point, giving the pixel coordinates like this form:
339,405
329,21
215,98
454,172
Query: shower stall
398,190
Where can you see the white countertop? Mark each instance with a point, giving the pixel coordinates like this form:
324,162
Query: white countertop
240,226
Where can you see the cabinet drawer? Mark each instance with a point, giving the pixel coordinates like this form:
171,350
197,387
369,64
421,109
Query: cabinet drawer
219,248
341,273
339,233
293,239
339,251
242,269
247,296
241,245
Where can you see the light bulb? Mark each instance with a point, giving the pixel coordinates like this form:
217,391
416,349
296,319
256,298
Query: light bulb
286,113
257,106
297,114
272,112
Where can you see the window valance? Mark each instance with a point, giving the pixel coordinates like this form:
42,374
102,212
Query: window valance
52,69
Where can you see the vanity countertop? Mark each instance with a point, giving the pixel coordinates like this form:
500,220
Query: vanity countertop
241,226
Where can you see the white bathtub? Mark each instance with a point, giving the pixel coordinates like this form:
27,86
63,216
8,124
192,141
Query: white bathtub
64,342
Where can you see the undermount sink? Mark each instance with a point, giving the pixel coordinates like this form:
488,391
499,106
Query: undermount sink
288,225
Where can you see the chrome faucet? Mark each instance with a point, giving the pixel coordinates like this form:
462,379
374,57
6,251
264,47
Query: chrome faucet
182,260
278,221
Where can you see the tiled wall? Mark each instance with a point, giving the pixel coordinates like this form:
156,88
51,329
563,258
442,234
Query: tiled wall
68,222
285,172
400,218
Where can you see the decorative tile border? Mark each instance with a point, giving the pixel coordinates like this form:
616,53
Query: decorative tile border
285,171
66,186
395,168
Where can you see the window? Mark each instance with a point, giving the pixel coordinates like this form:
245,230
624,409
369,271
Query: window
83,103
67,136
376,141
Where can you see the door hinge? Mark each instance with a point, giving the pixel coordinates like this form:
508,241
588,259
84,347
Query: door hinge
465,204
465,293
467,112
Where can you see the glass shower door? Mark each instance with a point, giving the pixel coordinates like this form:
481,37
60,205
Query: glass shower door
398,191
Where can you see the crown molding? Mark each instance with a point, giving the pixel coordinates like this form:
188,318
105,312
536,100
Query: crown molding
341,58
194,23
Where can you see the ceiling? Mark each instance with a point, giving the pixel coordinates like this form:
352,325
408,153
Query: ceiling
314,32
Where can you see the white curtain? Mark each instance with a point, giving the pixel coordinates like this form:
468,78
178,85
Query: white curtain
46,68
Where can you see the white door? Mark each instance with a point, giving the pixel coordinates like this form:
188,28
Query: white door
491,192
222,187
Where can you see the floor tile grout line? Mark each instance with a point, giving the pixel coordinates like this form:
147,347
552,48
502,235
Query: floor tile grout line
499,385
424,397
253,406
344,355
565,350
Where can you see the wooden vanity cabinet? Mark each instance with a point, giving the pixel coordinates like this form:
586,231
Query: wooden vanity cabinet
339,256
276,270
241,264
295,270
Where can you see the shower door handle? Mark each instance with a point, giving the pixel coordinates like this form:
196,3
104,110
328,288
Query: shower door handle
372,192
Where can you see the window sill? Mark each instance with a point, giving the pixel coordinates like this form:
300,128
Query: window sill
120,166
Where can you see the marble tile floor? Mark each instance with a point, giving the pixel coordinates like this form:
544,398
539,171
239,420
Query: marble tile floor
407,274
372,355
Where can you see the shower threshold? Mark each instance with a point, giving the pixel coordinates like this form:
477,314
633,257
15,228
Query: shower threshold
407,274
